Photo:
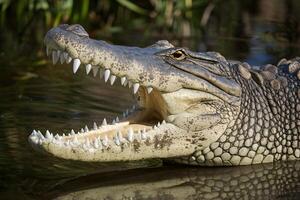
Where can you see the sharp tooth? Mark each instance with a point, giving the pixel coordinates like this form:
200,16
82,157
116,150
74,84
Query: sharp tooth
155,127
86,129
72,132
130,135
62,58
112,79
143,135
149,90
75,140
135,87
88,68
119,134
129,84
82,130
113,122
96,144
47,51
48,135
95,70
106,75
87,142
33,134
105,141
117,140
76,64
63,135
40,135
117,119
125,83
123,79
163,122
55,57
104,123
158,124
124,114
95,126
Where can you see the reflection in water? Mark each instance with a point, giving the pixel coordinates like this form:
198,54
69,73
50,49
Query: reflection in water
270,181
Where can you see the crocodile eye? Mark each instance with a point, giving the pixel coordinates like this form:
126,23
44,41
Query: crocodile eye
178,55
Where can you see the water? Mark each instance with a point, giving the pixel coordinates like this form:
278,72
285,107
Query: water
51,97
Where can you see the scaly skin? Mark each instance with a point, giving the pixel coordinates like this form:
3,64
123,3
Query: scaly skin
209,110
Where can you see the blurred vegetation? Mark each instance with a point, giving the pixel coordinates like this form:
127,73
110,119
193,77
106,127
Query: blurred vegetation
23,23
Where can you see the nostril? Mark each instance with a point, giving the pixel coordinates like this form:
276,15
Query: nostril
78,30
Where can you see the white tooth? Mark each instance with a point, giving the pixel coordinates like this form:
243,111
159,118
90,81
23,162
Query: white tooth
163,122
96,144
123,79
63,135
104,123
112,79
86,129
117,140
76,64
149,90
155,127
105,141
117,119
135,87
106,75
143,135
130,135
40,135
33,134
54,57
119,134
87,142
129,84
125,83
88,68
47,51
113,122
124,114
82,130
75,140
95,70
72,132
62,58
48,135
158,124
95,126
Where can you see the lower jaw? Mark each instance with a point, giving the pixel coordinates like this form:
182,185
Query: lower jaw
165,141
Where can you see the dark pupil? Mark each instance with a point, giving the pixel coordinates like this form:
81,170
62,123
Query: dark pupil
177,54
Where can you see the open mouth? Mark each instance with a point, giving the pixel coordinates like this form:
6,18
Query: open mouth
133,125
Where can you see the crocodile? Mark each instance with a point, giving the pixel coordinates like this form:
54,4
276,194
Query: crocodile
195,108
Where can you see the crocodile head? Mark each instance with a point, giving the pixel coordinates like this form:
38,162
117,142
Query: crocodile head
185,99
